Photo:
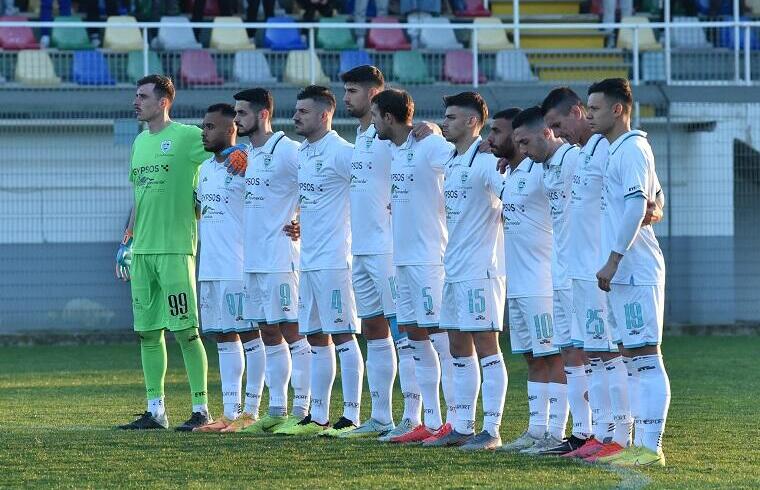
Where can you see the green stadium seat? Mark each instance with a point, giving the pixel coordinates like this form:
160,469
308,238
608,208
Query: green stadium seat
410,67
70,38
135,69
335,39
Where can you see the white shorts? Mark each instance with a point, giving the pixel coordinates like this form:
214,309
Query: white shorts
221,306
374,282
326,303
531,326
271,297
639,313
420,289
564,318
590,305
474,306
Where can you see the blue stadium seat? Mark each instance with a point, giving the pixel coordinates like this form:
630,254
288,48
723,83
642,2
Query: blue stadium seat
726,37
283,39
352,59
91,68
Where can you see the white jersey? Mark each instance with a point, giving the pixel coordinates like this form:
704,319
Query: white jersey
631,173
220,197
527,232
417,208
324,181
558,175
271,199
371,194
473,217
585,211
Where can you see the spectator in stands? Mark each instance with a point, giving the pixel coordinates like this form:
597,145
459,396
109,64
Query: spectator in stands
9,7
252,13
429,6
311,7
610,6
360,15
226,8
46,15
92,10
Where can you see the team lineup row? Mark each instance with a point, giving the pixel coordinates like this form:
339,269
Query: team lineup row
417,236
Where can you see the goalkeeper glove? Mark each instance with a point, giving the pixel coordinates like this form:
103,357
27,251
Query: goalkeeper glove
236,159
124,257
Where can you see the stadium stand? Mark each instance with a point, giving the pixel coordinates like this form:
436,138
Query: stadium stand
457,67
537,7
135,69
492,39
647,41
34,67
688,37
513,66
176,38
387,39
297,69
122,38
70,38
229,39
473,8
726,38
410,67
439,38
17,38
252,67
352,59
197,67
335,39
91,68
283,39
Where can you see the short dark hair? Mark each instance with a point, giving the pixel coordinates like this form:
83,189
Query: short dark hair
365,75
163,86
508,114
222,108
259,97
469,100
562,99
319,94
617,89
531,117
397,103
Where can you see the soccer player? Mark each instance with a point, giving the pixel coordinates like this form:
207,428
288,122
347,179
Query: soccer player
219,201
474,290
634,269
558,158
328,309
160,239
271,258
419,241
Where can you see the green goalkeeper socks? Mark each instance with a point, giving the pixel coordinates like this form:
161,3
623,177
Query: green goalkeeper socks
196,363
153,353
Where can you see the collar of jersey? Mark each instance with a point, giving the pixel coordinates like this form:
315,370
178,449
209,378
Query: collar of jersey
319,145
370,133
408,143
267,147
592,142
455,160
623,137
560,153
526,165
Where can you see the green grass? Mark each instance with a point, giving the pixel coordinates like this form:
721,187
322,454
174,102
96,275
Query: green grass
59,403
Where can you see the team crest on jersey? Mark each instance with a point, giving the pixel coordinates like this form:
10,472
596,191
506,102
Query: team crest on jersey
267,160
227,180
368,143
464,177
409,156
166,145
521,184
318,165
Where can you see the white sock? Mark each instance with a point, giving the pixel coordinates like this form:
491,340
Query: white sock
558,409
441,345
428,371
466,388
156,406
351,377
300,378
634,396
577,397
617,378
231,365
494,392
655,400
201,407
538,408
410,390
255,361
381,374
322,378
278,371
599,398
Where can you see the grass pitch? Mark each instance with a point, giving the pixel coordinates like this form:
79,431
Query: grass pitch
59,404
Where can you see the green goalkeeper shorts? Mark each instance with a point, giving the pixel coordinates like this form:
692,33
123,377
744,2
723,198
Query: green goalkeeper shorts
163,292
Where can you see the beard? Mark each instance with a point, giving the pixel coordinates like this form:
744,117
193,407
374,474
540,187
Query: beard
254,128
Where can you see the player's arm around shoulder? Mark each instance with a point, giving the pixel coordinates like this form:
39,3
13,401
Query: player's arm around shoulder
436,150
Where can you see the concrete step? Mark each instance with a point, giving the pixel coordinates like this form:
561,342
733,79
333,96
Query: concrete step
538,7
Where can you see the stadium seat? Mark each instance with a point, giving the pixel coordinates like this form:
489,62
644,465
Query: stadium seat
197,67
352,59
492,39
688,37
231,38
70,38
439,38
297,69
410,67
726,37
91,68
122,38
414,33
647,41
457,67
176,38
135,69
429,6
34,67
335,39
473,8
252,67
512,65
17,38
387,39
283,39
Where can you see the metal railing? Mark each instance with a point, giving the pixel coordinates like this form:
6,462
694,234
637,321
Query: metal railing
736,37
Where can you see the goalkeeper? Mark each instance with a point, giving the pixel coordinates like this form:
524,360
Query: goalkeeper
158,250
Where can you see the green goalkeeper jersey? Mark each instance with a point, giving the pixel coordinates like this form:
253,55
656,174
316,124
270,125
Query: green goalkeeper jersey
164,174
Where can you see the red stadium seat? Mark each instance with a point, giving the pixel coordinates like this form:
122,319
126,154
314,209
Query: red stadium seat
457,67
210,9
474,8
387,39
17,38
197,67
